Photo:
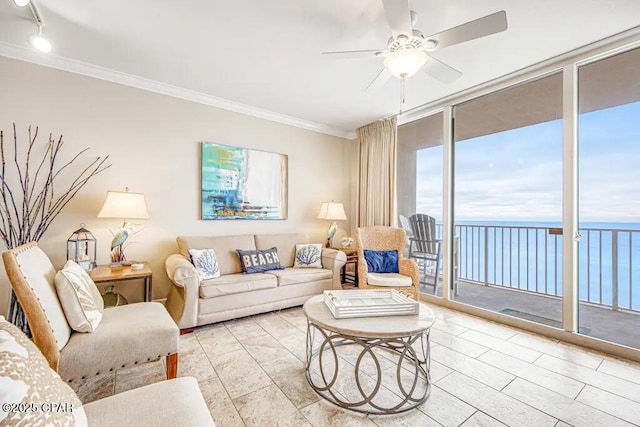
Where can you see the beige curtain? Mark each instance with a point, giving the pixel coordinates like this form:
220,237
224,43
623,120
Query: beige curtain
377,157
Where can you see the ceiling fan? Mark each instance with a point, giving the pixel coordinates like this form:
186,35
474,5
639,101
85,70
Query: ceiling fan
407,48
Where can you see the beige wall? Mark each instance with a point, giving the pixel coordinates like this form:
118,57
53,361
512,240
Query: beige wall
154,145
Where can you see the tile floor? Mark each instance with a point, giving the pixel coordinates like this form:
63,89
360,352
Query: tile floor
251,373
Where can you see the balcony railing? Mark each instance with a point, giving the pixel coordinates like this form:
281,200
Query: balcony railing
529,259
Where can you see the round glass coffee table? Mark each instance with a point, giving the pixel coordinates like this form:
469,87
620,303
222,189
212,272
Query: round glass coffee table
372,365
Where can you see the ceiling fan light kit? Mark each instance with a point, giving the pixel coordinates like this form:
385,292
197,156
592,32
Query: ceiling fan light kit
405,62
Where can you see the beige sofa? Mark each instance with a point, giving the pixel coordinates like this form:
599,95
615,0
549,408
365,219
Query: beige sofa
192,302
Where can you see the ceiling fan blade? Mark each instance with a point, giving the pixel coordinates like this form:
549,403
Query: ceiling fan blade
399,17
348,54
380,80
440,71
481,27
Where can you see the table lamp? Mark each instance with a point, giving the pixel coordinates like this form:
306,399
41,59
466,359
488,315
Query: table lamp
332,211
126,206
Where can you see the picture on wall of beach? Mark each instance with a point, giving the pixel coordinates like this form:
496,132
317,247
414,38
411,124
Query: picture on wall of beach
238,183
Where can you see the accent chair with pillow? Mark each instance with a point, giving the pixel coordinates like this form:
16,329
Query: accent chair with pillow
381,263
115,338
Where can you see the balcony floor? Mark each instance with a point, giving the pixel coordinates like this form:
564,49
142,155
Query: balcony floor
599,322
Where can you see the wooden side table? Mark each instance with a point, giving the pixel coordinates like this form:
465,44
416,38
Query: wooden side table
352,258
103,274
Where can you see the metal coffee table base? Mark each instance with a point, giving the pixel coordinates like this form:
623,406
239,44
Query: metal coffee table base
412,386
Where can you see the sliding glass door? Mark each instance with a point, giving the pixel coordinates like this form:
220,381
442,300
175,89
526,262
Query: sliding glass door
507,210
609,198
507,177
420,146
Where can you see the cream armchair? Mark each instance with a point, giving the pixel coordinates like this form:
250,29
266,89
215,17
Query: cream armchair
381,238
127,335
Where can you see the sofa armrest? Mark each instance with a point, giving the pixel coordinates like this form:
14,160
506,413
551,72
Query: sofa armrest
409,267
334,260
182,300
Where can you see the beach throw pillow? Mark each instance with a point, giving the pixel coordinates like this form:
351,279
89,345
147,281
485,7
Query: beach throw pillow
79,297
308,256
381,261
259,261
205,262
35,393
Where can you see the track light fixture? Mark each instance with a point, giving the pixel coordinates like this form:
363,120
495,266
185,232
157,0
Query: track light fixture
38,41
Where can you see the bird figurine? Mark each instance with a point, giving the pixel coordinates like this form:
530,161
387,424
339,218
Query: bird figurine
119,239
331,232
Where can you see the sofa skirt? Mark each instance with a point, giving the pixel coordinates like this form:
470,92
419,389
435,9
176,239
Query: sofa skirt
219,309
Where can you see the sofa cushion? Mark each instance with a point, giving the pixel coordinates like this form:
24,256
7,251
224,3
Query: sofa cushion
26,379
81,301
292,276
206,262
308,255
236,284
286,244
224,247
388,279
259,261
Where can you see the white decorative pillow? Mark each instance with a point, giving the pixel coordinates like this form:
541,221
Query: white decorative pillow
80,299
206,262
31,391
308,255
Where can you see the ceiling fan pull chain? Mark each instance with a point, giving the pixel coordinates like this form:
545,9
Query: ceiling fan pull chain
402,94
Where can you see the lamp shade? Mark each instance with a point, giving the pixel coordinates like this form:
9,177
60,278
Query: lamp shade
332,211
124,205
405,62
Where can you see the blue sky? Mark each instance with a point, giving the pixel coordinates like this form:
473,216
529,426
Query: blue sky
517,174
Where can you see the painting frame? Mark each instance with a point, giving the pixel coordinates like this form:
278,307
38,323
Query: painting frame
240,183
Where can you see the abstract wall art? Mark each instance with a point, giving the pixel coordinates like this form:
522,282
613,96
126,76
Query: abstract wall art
238,183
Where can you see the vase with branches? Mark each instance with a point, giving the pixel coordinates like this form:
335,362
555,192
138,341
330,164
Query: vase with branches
31,196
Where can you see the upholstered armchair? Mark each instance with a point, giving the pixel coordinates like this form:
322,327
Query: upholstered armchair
381,238
126,336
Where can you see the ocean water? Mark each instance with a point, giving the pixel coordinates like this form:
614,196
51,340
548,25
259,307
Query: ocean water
524,255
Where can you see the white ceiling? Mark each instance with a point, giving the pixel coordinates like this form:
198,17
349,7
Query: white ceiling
266,54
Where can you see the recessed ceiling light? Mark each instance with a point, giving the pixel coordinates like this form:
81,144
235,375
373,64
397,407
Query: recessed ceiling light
21,3
40,43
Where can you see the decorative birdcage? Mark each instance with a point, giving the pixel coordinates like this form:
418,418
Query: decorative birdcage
81,247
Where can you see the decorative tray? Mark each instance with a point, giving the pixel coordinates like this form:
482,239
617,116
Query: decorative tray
369,303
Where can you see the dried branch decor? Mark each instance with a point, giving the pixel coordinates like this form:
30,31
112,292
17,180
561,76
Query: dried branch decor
30,201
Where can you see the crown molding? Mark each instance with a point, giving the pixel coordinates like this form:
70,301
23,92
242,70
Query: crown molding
78,67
